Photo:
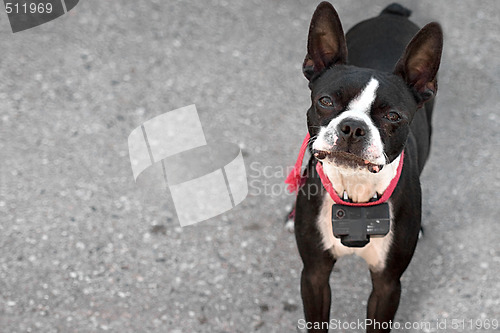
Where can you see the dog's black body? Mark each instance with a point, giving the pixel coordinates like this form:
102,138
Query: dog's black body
374,48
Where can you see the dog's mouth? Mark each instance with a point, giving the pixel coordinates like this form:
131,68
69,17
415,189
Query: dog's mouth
347,159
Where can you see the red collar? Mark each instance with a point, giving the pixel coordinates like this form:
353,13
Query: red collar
295,179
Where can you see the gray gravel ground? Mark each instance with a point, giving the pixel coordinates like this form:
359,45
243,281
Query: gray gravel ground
85,248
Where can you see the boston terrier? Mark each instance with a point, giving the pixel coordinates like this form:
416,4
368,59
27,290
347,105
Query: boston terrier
369,129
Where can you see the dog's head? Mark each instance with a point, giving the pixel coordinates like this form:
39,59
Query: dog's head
359,117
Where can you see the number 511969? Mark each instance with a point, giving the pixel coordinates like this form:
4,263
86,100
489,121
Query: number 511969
32,8
474,324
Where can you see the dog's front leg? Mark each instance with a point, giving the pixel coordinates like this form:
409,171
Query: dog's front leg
384,298
383,302
318,262
315,291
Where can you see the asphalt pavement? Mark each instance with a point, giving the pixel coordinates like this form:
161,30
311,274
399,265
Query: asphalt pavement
85,248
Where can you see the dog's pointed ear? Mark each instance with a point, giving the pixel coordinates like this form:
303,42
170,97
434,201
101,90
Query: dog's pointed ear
420,62
326,42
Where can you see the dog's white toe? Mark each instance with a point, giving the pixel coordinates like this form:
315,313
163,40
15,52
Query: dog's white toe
290,225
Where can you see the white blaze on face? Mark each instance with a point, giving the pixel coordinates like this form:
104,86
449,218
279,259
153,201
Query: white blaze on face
363,102
358,109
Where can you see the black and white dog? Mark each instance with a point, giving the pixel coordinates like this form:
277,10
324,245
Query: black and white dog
371,94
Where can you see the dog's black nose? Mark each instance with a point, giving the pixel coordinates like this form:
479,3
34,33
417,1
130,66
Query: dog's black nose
352,129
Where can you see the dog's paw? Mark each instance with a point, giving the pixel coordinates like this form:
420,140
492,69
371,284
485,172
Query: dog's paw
290,220
290,225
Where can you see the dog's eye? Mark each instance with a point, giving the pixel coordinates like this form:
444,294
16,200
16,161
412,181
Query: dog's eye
393,116
325,101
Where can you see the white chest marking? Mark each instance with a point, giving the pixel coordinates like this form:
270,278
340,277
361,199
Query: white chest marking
374,253
360,186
